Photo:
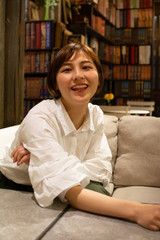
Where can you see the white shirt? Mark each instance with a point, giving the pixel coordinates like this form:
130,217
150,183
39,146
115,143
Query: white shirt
61,156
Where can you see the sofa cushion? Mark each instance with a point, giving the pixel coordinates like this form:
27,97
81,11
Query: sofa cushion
110,130
138,159
138,194
22,218
6,137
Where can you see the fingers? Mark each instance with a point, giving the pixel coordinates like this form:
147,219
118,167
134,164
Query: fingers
155,220
154,228
149,216
20,155
25,159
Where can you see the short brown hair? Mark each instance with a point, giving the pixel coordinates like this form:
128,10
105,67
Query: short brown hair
64,55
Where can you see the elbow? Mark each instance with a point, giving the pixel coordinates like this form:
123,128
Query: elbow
72,196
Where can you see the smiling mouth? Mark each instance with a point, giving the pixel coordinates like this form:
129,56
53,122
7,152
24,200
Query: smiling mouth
79,87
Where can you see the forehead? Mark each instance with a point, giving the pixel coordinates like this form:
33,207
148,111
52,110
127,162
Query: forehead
80,55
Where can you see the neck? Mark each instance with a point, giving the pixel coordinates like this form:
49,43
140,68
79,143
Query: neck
77,114
77,118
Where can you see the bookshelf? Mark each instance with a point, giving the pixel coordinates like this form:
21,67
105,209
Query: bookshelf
133,37
96,21
39,48
45,34
120,32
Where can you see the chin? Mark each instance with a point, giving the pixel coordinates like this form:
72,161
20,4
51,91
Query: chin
82,100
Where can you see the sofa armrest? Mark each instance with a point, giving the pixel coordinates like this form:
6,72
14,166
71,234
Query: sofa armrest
6,136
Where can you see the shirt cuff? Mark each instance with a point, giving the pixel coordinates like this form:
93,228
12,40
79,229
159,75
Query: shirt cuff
84,182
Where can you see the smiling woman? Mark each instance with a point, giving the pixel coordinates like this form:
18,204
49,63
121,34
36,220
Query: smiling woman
77,80
62,58
63,142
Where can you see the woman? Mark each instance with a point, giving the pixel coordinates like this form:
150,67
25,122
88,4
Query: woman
63,142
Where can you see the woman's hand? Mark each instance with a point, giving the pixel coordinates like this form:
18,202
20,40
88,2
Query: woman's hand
21,155
148,216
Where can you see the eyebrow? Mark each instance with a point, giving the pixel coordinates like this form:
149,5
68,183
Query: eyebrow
69,63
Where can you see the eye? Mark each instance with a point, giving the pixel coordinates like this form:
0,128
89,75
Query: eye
87,67
67,69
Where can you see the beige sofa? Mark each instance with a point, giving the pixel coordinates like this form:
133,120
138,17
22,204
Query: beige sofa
135,146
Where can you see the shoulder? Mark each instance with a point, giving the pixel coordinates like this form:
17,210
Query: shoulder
40,116
96,114
43,107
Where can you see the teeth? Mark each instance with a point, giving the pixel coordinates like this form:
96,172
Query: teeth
79,87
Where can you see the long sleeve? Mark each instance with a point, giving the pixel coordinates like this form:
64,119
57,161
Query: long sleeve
52,170
61,156
97,160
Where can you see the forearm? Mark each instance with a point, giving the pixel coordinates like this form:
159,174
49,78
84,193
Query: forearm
146,215
91,201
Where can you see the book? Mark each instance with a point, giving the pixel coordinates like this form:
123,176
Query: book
28,104
144,54
60,27
28,36
33,35
94,44
33,88
124,88
27,62
46,61
76,38
43,35
37,58
48,44
36,88
38,35
33,62
134,17
37,62
42,62
26,10
123,55
147,89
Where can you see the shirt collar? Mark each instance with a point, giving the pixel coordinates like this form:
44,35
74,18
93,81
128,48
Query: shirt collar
66,123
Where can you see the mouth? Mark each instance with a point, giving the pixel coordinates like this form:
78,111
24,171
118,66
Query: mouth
79,88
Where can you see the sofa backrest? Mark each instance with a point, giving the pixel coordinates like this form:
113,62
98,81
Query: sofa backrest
138,152
111,131
6,136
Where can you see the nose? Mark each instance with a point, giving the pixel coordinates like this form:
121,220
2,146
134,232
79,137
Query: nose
78,74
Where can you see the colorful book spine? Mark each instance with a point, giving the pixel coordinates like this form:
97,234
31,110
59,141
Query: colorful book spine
33,35
124,4
28,36
38,35
43,35
37,62
134,18
48,35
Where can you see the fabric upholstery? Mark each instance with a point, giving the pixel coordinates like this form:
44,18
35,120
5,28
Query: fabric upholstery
138,159
111,130
138,194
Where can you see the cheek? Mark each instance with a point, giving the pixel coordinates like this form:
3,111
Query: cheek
96,79
59,82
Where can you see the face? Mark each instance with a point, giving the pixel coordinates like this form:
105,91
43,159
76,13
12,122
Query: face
77,80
